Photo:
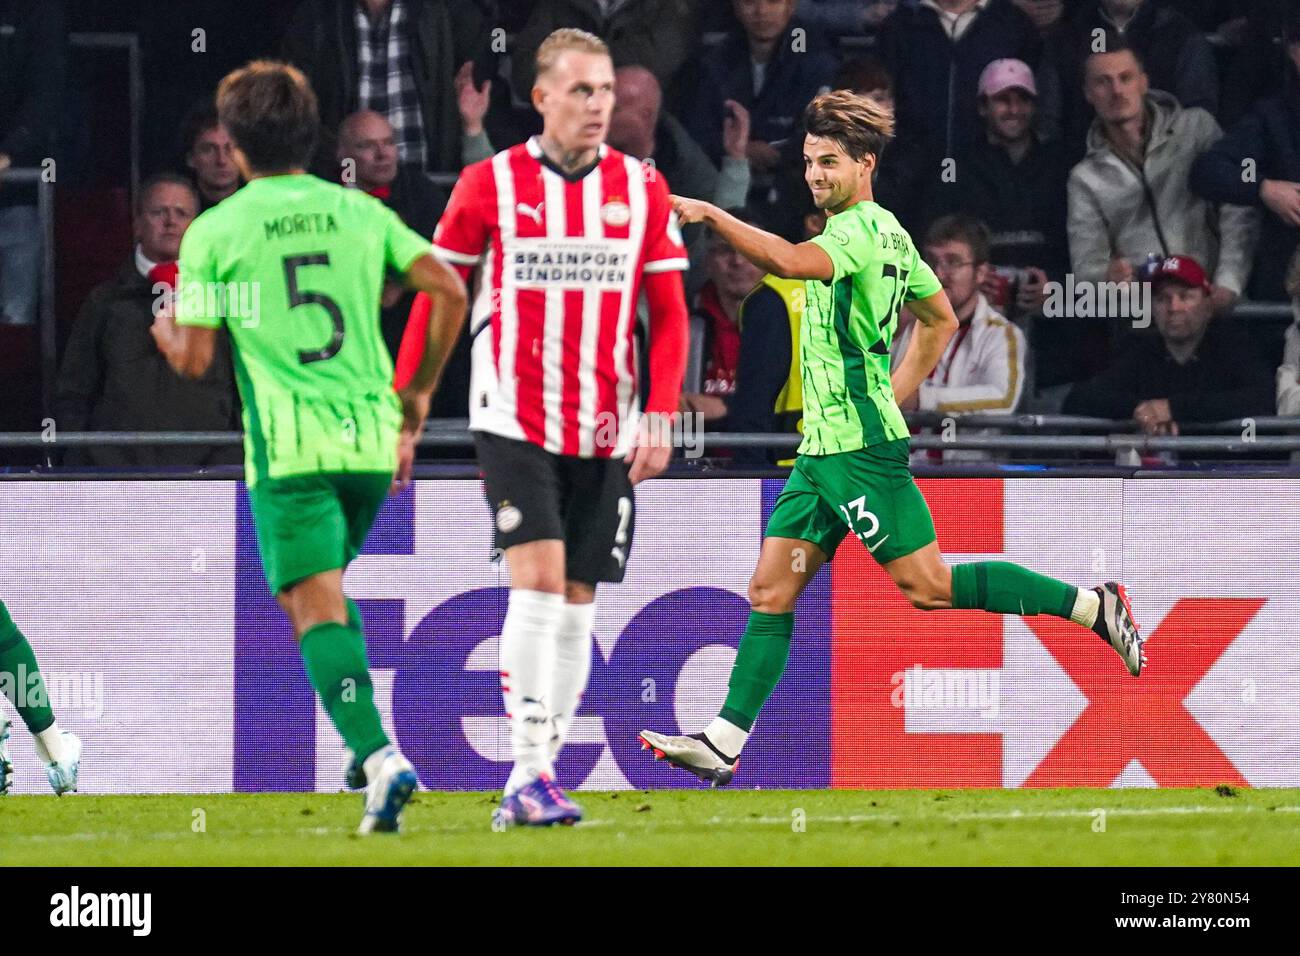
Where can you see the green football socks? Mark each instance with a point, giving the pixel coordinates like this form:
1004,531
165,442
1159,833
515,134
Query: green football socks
1006,588
760,662
335,659
20,677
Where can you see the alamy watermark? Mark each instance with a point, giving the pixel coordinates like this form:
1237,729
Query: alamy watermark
918,688
63,690
227,301
1081,299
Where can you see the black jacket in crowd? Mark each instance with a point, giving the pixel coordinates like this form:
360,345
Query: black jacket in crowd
660,35
1023,204
419,204
1269,135
791,80
322,41
33,52
761,373
1225,379
936,80
114,379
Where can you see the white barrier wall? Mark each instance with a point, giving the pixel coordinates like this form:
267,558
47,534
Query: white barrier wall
163,650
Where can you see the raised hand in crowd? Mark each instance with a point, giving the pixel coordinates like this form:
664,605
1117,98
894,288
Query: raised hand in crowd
472,101
735,131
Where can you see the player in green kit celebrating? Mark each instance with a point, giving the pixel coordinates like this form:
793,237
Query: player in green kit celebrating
852,473
324,430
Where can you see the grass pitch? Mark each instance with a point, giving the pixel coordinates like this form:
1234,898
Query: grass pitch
1193,827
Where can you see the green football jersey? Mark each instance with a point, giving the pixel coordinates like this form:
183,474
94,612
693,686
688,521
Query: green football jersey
847,326
293,267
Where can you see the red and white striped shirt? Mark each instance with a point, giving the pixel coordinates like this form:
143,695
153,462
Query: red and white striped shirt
554,307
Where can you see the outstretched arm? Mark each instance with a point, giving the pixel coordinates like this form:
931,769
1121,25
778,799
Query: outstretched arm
767,251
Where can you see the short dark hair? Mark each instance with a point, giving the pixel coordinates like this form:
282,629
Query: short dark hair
857,123
1112,41
864,74
202,116
164,179
269,109
961,228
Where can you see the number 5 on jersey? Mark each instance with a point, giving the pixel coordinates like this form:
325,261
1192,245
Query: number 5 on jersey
298,297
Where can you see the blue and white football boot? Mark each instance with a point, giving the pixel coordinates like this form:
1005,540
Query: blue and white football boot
388,793
6,765
63,774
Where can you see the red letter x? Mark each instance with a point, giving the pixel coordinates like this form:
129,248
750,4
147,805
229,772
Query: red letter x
1144,718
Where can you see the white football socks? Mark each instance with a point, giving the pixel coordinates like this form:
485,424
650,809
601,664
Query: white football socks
726,737
572,669
1086,607
527,666
49,744
374,762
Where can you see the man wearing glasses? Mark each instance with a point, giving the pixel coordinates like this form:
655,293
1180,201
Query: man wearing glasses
983,367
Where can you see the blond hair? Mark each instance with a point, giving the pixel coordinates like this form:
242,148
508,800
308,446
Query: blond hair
564,39
858,123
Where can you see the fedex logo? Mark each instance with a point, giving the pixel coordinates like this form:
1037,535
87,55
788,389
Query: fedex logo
662,664
876,694
1067,713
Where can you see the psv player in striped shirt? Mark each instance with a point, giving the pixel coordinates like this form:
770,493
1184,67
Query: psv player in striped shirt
565,233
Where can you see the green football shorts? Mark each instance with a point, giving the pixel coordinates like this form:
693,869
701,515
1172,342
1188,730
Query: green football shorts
869,492
307,524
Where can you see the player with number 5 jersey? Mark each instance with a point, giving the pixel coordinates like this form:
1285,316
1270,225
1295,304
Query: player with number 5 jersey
324,431
852,475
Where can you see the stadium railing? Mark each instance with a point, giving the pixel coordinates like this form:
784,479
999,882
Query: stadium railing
1269,436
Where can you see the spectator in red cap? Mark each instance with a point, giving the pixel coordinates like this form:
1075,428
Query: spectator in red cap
1193,370
1012,182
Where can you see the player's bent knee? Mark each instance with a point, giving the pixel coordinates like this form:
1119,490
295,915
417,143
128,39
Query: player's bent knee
923,596
770,598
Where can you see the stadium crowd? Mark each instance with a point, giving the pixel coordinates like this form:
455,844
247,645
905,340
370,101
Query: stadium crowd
1043,146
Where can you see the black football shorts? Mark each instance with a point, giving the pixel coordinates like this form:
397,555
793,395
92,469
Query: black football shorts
536,495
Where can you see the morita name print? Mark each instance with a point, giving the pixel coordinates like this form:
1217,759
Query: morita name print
131,910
